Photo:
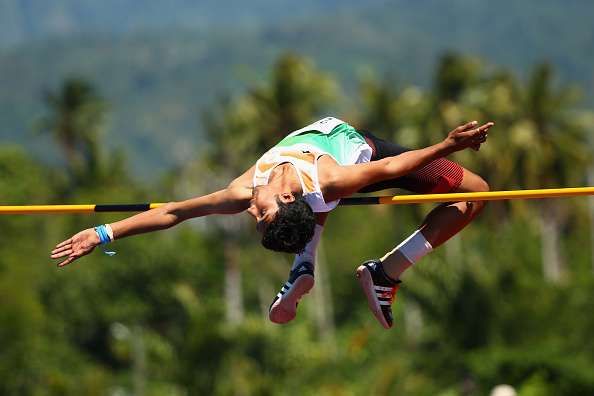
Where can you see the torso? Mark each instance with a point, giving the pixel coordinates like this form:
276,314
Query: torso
316,152
310,166
327,169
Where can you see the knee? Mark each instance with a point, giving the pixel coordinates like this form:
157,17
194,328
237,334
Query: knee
480,185
473,183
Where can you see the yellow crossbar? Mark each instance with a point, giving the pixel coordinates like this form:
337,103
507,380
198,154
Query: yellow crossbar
388,200
89,208
489,196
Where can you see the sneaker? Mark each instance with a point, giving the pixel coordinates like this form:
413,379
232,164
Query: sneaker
284,306
379,290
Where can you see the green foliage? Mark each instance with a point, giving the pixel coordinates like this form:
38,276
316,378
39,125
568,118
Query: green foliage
75,120
161,66
155,318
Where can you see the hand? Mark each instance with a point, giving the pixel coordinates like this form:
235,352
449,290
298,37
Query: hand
79,245
468,135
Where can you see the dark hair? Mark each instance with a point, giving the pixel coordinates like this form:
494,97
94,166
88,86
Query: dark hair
292,227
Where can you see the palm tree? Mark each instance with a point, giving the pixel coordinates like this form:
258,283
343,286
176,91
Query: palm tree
545,145
557,156
588,120
240,130
381,111
591,183
76,115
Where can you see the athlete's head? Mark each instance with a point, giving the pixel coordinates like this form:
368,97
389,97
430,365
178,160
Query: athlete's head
285,220
292,227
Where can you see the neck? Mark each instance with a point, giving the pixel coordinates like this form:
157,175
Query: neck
285,178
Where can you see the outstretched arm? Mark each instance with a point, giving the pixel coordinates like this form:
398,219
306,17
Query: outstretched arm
227,201
233,199
350,179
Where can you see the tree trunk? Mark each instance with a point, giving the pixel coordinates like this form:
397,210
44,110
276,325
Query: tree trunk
233,292
552,261
591,200
139,361
413,321
266,294
453,249
322,298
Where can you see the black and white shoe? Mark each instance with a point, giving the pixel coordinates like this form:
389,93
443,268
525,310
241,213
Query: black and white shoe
284,306
379,289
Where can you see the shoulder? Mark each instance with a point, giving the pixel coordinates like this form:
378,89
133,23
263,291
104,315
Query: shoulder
330,179
246,180
239,193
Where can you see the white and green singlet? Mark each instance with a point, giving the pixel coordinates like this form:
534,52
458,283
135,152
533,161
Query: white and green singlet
302,148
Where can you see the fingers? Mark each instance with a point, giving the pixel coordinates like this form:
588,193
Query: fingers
482,130
479,139
61,247
61,254
486,127
67,261
469,135
67,241
73,248
466,126
64,249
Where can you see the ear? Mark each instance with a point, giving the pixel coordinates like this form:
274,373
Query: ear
287,197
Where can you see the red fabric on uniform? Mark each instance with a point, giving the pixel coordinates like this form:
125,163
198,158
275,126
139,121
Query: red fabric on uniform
437,177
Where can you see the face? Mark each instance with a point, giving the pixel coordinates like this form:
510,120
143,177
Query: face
263,205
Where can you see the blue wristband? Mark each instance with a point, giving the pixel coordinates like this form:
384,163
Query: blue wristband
104,238
102,233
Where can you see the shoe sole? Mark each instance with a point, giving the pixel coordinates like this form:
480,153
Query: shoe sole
287,304
366,282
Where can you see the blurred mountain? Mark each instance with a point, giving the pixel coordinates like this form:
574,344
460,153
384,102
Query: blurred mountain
25,20
160,67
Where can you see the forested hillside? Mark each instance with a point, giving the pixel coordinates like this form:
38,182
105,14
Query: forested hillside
25,20
108,101
169,65
184,311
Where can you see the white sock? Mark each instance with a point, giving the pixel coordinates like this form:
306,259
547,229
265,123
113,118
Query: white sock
413,248
309,254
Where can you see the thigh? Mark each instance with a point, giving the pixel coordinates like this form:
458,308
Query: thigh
439,176
471,182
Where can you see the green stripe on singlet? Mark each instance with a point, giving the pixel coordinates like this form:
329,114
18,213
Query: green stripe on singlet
341,142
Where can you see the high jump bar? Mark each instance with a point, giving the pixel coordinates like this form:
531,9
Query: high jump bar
383,200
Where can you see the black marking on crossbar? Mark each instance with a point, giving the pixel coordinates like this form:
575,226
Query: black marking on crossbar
123,207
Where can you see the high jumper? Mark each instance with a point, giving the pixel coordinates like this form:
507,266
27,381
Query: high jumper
291,189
